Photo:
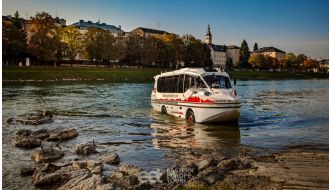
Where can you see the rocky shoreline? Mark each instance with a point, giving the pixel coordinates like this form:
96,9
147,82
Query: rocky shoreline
295,168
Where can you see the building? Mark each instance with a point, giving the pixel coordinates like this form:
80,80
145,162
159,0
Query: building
272,52
233,54
85,25
324,65
218,52
218,55
144,32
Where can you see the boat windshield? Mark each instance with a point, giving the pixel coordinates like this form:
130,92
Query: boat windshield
217,81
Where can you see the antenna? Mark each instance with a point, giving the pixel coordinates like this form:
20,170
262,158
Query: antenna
56,13
158,25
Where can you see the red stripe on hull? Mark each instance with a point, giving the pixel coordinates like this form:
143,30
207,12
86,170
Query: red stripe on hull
194,99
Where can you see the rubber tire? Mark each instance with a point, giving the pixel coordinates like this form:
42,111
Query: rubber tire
163,110
190,116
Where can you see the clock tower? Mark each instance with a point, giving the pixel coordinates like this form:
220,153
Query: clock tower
208,36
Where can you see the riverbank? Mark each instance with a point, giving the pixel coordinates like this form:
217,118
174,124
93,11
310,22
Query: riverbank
294,168
128,75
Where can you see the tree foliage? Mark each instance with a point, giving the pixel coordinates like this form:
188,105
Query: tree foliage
244,55
310,64
255,47
257,61
44,41
14,40
72,39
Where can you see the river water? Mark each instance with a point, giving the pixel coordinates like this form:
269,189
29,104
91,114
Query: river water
275,115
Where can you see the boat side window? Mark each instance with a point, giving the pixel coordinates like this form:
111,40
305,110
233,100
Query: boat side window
180,83
171,84
187,79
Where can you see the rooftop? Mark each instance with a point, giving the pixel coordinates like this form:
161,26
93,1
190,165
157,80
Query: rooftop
268,49
221,48
191,71
149,30
89,24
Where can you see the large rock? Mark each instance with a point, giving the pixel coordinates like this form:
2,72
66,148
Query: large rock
33,118
46,155
54,176
62,134
112,159
85,149
82,182
234,164
27,171
41,134
206,163
130,169
94,167
25,139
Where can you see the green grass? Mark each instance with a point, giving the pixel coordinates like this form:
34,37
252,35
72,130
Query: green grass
128,75
264,75
90,73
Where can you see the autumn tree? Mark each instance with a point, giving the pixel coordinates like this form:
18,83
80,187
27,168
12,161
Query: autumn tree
268,62
244,55
119,47
197,54
300,61
150,50
44,40
291,59
310,64
257,61
109,46
72,39
94,44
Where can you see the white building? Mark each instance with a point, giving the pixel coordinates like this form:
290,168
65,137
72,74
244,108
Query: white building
221,53
218,52
272,52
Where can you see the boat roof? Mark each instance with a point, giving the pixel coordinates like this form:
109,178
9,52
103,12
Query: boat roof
193,71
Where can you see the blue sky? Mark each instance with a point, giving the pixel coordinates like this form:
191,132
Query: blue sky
298,26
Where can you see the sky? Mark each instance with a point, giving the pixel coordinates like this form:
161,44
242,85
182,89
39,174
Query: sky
298,26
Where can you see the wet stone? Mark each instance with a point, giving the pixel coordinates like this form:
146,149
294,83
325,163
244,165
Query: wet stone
62,134
206,163
112,159
23,139
27,171
85,149
234,164
46,155
37,118
41,134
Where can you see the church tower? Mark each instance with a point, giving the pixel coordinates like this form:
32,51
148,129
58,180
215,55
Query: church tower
208,36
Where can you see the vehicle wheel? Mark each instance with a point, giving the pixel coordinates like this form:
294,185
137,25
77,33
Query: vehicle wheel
190,116
164,111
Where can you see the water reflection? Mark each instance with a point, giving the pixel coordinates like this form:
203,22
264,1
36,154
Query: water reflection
171,132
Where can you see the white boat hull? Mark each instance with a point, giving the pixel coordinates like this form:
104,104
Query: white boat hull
204,113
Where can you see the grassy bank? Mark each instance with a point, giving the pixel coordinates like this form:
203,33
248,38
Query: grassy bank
127,75
263,75
78,73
